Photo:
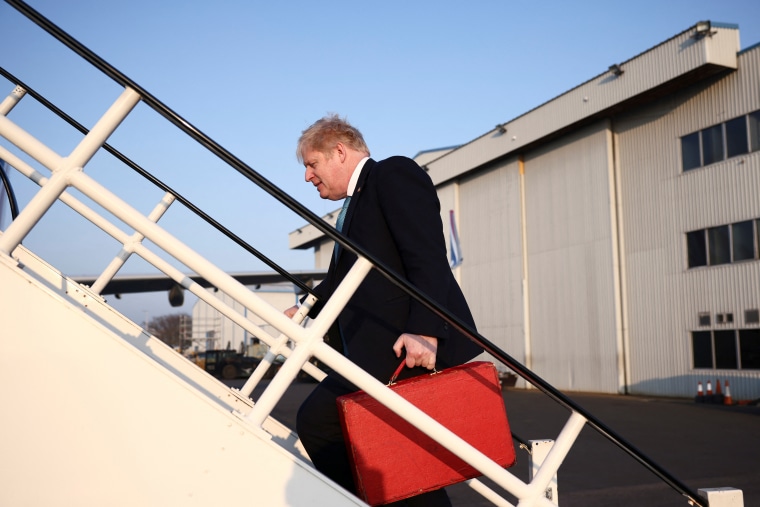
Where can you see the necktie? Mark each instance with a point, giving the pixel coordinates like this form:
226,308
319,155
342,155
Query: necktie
342,214
339,224
336,249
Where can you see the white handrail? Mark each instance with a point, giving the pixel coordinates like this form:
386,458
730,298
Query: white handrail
11,100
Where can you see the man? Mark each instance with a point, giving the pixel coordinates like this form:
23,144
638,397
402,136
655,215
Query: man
394,214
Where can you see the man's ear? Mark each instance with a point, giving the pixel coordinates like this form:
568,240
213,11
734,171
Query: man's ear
340,148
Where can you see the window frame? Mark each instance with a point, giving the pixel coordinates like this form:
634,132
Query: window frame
745,146
713,148
752,241
711,246
711,144
719,245
724,353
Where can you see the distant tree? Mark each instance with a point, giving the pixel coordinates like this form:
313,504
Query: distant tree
174,330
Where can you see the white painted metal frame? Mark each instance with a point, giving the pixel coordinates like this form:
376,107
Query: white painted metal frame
69,172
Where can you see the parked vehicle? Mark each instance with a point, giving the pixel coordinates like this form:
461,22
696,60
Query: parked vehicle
225,364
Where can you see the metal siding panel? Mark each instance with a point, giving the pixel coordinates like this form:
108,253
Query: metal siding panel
660,205
491,274
570,268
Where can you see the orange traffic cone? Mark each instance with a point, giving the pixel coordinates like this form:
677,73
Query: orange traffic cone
709,388
727,398
718,393
709,398
700,397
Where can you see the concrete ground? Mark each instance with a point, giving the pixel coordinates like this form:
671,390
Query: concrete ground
701,445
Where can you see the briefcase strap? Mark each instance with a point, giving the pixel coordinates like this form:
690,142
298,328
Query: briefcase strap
401,367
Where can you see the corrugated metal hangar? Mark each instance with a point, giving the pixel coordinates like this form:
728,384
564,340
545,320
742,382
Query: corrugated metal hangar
610,236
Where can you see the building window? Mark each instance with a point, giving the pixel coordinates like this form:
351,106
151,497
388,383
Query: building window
702,349
725,350
729,349
690,151
719,247
695,242
736,137
752,316
704,318
743,240
718,142
754,130
712,144
724,244
749,347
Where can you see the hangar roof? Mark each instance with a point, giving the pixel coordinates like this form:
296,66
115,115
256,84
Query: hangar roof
690,56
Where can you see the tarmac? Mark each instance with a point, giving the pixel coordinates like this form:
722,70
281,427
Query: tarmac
702,445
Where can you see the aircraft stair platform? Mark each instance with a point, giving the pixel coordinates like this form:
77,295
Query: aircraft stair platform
97,411
102,413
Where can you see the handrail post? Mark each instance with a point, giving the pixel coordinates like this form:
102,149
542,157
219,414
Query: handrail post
554,458
35,209
538,451
305,348
129,247
275,348
11,100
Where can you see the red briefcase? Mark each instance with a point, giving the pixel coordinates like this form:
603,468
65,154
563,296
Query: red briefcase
393,460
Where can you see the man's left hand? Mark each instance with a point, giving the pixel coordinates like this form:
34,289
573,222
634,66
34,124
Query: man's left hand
420,350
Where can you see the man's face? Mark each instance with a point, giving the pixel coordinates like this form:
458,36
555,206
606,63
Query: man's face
327,173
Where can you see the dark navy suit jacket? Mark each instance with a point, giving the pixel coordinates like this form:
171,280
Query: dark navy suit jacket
394,214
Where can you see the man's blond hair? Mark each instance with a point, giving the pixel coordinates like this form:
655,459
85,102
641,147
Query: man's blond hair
326,132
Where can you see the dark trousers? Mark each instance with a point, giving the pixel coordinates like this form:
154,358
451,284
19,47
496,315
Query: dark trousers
318,427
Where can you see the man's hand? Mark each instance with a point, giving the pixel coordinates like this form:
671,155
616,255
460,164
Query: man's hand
420,350
291,311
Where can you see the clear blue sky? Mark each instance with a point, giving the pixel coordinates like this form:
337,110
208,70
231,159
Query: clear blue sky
252,74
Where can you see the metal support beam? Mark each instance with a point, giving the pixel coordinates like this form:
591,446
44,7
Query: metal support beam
722,497
538,452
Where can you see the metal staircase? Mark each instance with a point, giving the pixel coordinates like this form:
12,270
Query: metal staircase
112,416
104,414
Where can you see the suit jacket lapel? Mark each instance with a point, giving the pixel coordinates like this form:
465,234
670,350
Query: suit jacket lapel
368,165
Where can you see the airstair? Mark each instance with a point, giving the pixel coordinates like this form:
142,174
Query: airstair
99,412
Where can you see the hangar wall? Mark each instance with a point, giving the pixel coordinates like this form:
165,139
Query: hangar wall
571,275
491,272
662,203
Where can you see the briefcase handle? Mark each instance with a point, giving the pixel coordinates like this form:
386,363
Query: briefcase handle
401,367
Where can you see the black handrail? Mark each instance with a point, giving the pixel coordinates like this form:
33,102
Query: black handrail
12,202
145,174
330,232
